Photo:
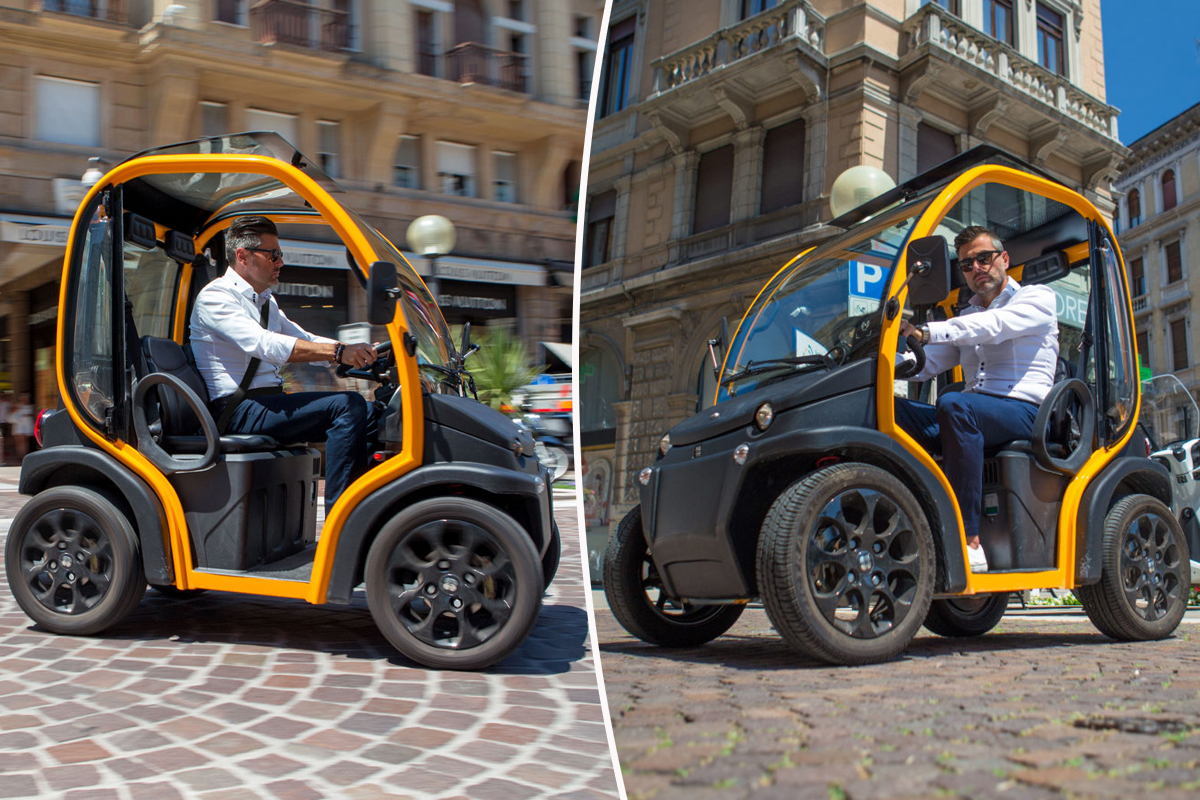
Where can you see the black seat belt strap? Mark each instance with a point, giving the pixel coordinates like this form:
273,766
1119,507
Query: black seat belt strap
251,369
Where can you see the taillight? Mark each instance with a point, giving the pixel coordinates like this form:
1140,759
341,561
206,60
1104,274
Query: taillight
37,425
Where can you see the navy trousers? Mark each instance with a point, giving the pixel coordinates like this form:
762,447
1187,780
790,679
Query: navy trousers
961,427
346,422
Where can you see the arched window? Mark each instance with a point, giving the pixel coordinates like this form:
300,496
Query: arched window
1135,207
1168,190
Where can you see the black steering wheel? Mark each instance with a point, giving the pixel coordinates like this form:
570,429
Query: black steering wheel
374,371
910,368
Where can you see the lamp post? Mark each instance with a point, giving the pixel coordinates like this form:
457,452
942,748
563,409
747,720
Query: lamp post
432,236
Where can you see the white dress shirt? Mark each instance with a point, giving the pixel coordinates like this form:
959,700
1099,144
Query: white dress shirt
226,334
1008,349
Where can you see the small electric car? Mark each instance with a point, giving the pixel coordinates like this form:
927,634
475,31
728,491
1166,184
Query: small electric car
799,488
451,531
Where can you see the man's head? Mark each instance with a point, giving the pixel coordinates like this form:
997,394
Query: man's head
983,260
251,245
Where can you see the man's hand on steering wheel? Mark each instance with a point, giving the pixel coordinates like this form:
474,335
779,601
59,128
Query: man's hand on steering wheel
358,355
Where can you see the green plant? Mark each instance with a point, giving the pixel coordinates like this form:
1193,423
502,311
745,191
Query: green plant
500,366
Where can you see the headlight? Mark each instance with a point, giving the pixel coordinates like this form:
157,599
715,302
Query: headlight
741,453
644,476
664,444
764,416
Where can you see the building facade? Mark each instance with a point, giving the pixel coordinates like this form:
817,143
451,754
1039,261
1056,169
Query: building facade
1158,219
472,109
721,126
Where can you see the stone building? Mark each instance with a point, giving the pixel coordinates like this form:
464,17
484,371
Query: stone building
472,109
720,128
1158,220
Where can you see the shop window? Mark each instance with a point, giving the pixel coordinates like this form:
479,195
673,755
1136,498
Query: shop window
1137,277
1179,344
1174,262
66,111
283,124
714,189
456,168
1168,190
602,208
1050,39
214,119
600,382
406,171
618,67
504,178
1135,207
998,20
329,137
783,167
426,42
934,146
953,6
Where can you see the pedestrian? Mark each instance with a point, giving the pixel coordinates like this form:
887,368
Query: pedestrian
6,441
20,418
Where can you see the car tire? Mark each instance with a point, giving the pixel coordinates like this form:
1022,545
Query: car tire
974,615
1145,575
453,583
846,565
72,561
552,557
636,597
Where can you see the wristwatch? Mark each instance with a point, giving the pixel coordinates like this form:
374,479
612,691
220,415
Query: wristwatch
923,331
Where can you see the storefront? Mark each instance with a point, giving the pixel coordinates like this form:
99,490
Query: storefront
43,338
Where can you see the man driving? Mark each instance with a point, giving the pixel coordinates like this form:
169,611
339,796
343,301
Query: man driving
240,338
1006,341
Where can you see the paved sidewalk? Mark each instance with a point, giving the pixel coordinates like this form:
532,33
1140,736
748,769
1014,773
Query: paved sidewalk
230,696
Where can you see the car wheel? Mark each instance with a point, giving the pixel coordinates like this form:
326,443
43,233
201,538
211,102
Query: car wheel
453,583
72,561
1144,579
552,556
966,616
635,595
846,565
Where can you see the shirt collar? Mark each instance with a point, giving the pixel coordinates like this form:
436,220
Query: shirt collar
239,285
1005,295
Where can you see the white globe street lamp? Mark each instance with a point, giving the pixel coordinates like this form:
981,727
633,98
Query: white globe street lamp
432,236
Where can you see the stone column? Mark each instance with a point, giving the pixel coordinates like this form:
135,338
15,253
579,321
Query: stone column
620,231
906,162
430,181
747,173
815,126
624,488
19,354
553,70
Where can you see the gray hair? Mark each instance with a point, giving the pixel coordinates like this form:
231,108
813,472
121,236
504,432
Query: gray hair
246,232
968,235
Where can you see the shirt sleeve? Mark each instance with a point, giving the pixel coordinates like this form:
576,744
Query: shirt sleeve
1031,310
223,315
938,359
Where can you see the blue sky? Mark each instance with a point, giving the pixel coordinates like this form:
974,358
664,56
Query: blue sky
1151,61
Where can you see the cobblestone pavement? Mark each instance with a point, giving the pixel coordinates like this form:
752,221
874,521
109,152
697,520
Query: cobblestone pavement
229,696
1042,707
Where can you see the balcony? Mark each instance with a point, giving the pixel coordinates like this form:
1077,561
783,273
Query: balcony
299,24
472,62
106,10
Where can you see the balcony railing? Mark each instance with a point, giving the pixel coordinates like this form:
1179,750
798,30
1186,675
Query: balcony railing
299,24
936,27
472,62
107,10
790,21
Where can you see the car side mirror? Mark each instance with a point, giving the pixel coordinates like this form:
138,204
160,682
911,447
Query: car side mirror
928,270
381,293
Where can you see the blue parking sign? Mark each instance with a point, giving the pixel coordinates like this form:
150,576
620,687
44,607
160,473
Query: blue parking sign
867,280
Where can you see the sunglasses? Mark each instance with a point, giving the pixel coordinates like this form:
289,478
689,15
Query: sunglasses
982,259
276,255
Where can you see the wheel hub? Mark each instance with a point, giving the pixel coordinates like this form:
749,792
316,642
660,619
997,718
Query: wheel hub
865,562
449,584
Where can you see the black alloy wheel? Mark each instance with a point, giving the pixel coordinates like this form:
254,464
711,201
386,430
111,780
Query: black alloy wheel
974,615
72,561
1145,574
635,594
846,565
454,583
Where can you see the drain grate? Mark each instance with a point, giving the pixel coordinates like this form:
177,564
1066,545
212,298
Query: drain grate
1135,724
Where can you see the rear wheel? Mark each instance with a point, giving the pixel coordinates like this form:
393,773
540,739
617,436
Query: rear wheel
966,616
453,583
72,561
845,565
1145,574
635,595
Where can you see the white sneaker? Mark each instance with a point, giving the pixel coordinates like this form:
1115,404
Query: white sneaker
977,559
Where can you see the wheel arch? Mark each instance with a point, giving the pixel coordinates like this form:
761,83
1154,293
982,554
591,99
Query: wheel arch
1122,477
85,466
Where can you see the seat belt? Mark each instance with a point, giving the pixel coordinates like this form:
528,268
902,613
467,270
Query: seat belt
239,394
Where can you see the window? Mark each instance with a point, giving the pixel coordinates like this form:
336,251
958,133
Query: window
600,382
504,178
426,43
214,119
1168,190
1135,207
1174,263
601,210
1121,352
283,124
456,168
406,172
329,138
934,146
714,189
230,11
618,67
583,27
1179,348
516,10
783,167
1143,346
1137,277
90,360
66,111
953,6
998,20
583,75
1050,39
751,7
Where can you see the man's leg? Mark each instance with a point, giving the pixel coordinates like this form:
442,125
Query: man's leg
337,418
919,420
970,423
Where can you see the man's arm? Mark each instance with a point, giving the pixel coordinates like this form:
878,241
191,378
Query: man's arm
1032,310
355,355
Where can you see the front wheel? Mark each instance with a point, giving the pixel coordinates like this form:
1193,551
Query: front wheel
637,599
846,566
966,616
1145,574
453,583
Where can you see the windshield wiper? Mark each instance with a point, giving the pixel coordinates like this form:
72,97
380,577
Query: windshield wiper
756,367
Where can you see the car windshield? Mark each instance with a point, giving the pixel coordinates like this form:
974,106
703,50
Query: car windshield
814,306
